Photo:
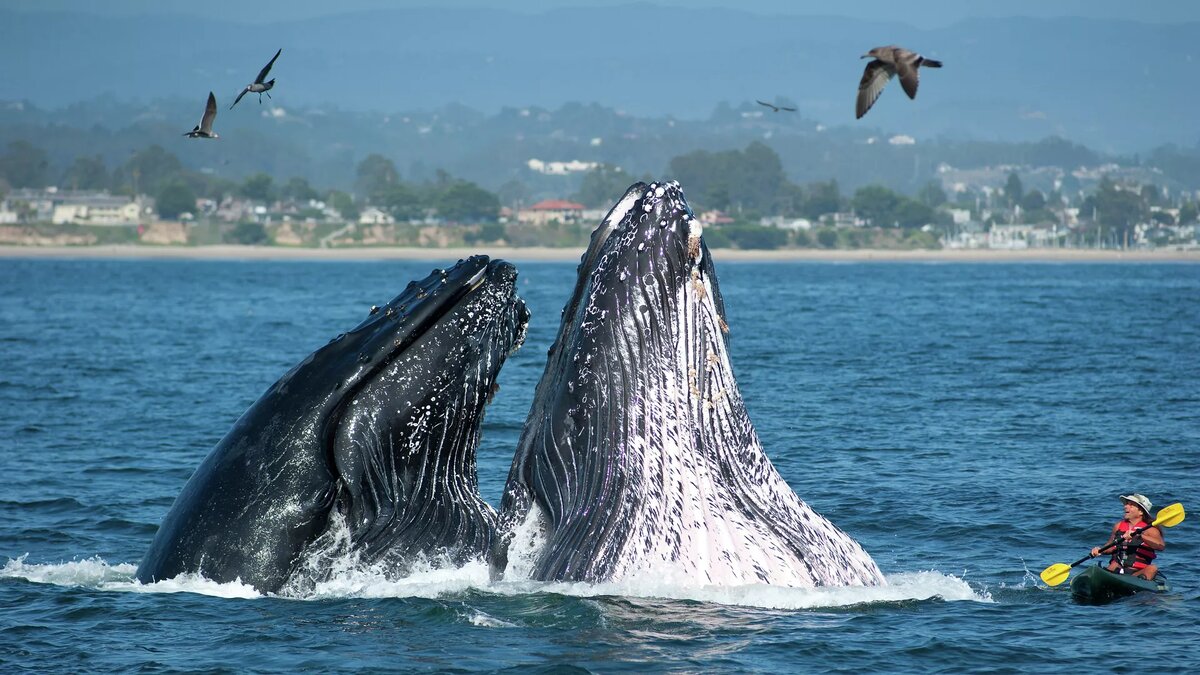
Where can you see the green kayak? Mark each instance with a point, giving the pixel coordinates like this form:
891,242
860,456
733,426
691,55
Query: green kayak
1097,586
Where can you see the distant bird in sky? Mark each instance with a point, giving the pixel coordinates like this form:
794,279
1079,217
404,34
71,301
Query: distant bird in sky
888,61
258,86
774,107
204,129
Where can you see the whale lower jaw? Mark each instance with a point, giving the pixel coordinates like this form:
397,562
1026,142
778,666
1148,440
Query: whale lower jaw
707,506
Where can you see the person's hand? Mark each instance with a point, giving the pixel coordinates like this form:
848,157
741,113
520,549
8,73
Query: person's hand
1095,551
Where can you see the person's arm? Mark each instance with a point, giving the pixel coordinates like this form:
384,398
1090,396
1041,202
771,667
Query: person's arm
1153,538
1111,538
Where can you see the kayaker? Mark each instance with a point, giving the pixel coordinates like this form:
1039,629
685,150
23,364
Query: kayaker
1134,553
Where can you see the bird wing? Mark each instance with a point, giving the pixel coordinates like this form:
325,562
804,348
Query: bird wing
784,107
772,107
239,97
906,67
875,78
210,114
262,74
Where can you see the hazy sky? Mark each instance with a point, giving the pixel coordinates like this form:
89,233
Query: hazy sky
928,14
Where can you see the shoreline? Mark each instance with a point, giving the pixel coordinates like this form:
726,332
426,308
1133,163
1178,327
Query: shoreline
527,254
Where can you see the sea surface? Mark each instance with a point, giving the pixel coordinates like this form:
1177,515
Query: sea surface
969,424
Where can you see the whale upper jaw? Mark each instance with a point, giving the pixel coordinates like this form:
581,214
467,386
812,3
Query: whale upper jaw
638,457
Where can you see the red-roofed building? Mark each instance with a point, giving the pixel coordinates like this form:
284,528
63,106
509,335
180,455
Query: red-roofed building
713,217
550,210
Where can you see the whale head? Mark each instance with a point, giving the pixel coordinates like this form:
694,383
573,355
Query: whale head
638,456
374,434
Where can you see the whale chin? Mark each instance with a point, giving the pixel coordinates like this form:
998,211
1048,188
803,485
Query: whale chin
638,458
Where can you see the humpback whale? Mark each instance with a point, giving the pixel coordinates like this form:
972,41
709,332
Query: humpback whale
638,458
370,441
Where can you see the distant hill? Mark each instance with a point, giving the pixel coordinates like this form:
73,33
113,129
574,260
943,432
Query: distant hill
325,145
1116,86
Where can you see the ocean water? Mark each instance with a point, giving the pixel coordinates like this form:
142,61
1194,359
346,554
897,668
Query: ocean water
969,424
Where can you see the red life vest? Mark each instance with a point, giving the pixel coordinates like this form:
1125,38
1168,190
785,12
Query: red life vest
1142,556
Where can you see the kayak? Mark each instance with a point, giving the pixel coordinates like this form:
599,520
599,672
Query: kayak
1097,586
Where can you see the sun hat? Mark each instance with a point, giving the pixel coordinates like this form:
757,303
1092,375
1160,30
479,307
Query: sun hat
1140,500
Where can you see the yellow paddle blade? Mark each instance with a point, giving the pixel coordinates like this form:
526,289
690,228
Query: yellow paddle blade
1170,516
1056,574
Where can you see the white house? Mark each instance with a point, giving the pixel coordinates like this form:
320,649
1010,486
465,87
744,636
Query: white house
96,208
560,168
374,216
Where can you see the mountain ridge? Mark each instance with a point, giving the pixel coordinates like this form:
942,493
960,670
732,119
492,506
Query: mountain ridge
646,60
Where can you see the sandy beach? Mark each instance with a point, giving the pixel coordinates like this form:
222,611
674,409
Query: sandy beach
230,252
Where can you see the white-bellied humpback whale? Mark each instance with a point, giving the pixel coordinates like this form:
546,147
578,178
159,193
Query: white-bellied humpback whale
638,458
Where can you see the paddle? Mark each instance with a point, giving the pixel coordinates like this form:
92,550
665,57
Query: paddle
1169,516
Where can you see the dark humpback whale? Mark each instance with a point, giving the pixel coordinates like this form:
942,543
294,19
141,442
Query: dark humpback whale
368,444
638,459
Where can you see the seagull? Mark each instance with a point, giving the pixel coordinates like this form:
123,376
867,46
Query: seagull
774,107
887,62
204,129
258,86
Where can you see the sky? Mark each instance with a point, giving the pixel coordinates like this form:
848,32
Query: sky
928,14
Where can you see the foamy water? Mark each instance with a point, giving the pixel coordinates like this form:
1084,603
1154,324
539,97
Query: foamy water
436,583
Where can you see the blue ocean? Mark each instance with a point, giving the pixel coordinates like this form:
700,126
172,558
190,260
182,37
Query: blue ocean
969,424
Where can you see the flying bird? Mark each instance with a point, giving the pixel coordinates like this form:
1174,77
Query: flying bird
204,129
888,61
258,86
774,107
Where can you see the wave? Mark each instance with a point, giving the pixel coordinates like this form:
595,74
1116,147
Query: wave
435,583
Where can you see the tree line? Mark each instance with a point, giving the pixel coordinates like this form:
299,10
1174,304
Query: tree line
746,184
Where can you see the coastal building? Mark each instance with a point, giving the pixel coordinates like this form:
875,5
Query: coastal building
842,219
560,168
32,206
62,207
9,215
375,216
713,217
551,210
98,208
1024,235
784,223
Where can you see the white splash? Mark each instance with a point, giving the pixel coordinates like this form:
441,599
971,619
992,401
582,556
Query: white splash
903,587
435,583
99,574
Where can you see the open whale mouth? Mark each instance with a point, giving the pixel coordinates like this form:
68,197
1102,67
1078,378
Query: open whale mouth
638,457
357,356
403,435
372,435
